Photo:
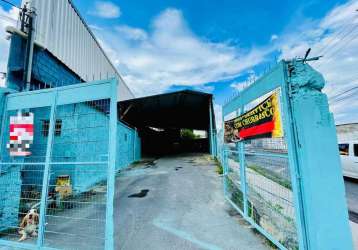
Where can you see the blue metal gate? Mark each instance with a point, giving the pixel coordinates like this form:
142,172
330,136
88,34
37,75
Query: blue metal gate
289,188
68,179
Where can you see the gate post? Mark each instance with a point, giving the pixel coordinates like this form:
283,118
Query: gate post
109,243
211,143
323,210
243,176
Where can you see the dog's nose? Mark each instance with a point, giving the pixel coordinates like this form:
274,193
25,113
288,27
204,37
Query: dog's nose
30,216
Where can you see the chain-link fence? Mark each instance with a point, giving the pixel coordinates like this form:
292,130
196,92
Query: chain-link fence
56,168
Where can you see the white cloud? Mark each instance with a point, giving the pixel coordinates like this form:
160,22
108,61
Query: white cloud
105,9
274,37
131,33
218,116
336,38
171,54
239,86
8,18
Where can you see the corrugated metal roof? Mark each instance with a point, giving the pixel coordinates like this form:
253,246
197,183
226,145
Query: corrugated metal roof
63,32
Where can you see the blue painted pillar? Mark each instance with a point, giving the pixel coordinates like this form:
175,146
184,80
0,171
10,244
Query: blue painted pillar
211,137
325,217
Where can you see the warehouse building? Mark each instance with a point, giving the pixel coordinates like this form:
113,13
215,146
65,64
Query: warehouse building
66,52
347,132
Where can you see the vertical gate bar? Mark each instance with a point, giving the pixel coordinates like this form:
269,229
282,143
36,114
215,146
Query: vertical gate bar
45,180
292,156
243,176
223,156
109,243
224,163
241,150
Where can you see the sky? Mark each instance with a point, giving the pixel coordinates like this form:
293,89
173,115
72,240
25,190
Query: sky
221,46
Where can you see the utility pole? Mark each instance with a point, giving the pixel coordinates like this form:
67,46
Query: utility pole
29,17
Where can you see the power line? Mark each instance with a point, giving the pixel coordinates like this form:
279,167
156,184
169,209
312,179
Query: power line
343,98
334,37
352,38
338,40
332,99
10,3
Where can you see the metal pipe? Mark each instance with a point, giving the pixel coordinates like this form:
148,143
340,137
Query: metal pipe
29,50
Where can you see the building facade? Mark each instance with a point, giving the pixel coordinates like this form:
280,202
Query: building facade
347,132
65,52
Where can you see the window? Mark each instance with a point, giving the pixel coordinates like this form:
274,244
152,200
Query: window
355,149
58,127
46,127
343,149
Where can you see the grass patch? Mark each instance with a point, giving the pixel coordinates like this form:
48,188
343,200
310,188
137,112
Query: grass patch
219,167
272,176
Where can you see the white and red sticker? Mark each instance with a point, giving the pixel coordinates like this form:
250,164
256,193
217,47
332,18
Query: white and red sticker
21,134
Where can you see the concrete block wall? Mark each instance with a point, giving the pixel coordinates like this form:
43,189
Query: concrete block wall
84,138
10,185
46,69
10,191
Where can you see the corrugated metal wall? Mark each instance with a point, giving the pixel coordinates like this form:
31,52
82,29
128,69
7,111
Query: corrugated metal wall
63,32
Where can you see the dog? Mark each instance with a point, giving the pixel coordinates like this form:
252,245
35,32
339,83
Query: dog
29,225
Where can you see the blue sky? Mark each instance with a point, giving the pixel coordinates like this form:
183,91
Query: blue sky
218,46
242,24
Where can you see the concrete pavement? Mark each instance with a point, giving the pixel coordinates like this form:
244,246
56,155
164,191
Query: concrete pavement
178,203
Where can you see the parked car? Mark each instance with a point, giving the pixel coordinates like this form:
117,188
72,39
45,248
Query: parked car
349,158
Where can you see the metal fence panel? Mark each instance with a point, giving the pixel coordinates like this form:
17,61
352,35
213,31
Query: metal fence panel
257,182
69,176
76,207
21,178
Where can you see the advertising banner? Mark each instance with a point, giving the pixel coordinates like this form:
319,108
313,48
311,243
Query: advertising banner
262,121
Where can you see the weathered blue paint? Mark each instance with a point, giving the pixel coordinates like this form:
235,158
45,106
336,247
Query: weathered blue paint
320,173
293,159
